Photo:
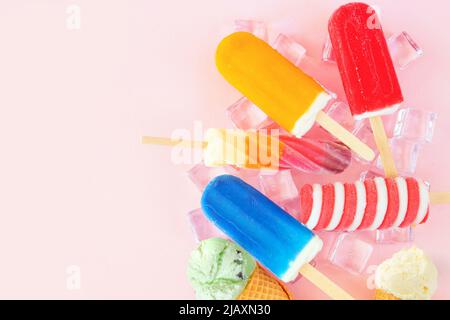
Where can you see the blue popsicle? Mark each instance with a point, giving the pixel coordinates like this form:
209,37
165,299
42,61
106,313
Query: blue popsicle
278,241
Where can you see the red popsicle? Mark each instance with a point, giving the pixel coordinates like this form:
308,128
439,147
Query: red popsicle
364,62
367,71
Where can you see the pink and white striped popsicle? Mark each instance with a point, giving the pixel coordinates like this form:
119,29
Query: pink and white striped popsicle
378,203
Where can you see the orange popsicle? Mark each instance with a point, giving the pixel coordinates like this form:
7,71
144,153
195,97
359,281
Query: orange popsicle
283,91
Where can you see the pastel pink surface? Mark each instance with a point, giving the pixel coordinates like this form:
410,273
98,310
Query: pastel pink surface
79,189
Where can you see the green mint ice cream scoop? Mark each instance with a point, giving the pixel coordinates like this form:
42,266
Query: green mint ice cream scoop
219,269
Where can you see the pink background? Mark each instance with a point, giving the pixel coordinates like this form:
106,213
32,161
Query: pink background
78,188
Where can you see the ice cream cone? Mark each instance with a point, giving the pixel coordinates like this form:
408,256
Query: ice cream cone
263,286
383,295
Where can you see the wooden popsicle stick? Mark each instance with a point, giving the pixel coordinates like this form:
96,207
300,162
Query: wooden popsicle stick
173,142
440,197
345,136
324,283
382,143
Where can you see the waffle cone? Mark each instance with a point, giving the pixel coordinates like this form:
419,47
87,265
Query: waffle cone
383,295
263,286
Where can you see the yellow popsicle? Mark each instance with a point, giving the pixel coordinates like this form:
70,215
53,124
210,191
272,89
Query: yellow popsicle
284,92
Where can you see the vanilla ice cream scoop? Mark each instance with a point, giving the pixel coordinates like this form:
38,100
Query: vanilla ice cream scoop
408,275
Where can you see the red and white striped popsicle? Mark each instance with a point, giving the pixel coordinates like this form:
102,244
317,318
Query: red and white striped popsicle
378,203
